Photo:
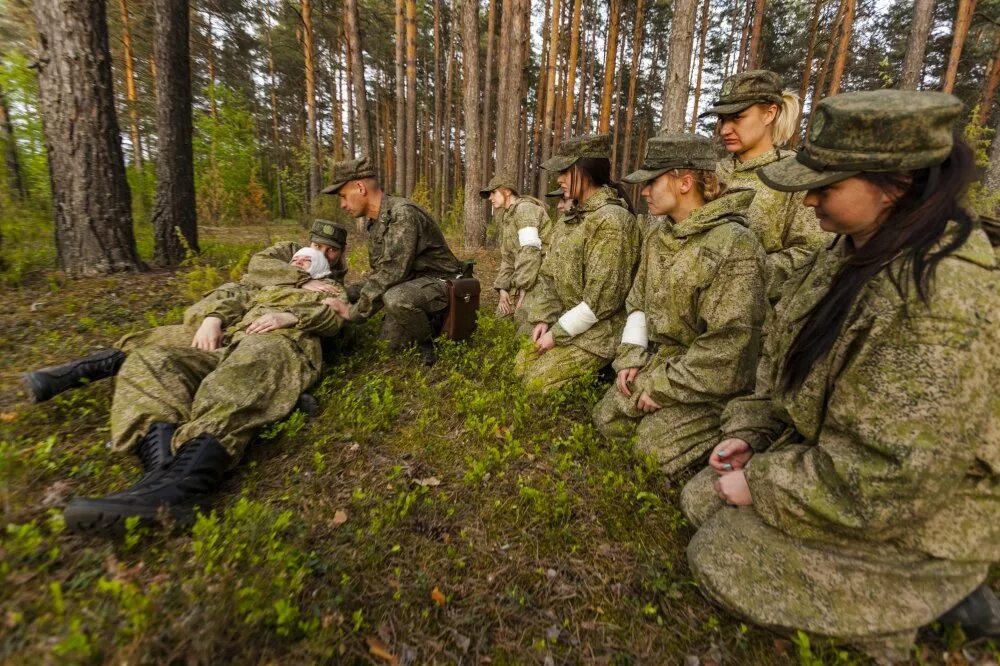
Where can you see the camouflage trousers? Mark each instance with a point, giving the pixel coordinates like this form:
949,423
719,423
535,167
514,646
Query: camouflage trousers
407,306
230,393
873,596
678,434
556,367
174,335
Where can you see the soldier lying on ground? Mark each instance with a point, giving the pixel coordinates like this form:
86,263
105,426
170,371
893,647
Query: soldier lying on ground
189,412
855,493
695,309
268,268
409,257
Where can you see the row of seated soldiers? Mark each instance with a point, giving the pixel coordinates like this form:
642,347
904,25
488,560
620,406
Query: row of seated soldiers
820,326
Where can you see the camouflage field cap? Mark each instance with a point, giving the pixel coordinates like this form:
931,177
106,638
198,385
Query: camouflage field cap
555,194
743,90
500,179
328,233
348,170
591,145
875,130
675,151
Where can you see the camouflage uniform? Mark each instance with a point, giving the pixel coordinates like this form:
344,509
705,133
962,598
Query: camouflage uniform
410,262
591,263
525,233
875,484
786,228
700,295
232,392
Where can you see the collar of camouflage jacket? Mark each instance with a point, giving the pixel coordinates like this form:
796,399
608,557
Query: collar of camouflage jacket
733,164
977,249
727,208
604,196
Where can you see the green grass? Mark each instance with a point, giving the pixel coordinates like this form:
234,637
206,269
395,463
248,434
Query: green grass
442,515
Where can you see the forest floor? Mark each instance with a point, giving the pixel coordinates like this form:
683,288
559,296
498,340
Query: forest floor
434,515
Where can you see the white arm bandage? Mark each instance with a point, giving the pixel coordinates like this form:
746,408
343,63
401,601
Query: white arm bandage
528,236
578,319
635,332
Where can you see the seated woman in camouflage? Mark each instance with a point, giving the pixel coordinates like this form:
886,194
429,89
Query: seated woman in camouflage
525,232
190,412
695,309
756,118
854,495
577,308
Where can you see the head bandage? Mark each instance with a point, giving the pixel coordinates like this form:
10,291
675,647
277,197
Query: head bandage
635,332
320,267
578,319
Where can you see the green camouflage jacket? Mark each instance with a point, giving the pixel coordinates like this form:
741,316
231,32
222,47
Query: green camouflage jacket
893,440
701,286
592,260
786,228
519,263
403,243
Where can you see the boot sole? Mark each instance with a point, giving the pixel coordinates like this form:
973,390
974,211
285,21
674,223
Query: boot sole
96,518
36,391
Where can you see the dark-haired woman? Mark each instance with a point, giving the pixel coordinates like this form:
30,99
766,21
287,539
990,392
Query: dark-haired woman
856,494
577,308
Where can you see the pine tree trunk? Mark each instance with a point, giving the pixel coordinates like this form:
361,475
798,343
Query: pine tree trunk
130,94
362,120
611,52
352,144
744,35
338,111
992,81
916,44
174,208
701,62
275,137
574,54
675,91
438,141
511,89
534,156
90,194
488,135
312,138
808,66
966,8
400,98
411,97
843,46
15,177
449,77
756,54
819,89
734,22
475,226
615,126
633,82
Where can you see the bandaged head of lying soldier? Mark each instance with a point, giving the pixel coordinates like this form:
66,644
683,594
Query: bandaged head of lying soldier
678,174
583,166
311,261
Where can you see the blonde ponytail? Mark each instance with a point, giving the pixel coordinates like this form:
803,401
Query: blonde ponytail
786,124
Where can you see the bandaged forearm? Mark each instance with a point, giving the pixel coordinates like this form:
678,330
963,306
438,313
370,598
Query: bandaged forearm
635,332
528,237
578,320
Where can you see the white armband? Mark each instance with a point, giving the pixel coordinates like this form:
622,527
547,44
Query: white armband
528,236
579,319
635,332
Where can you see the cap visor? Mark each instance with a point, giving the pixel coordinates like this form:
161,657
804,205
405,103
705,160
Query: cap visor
643,176
333,189
558,163
326,241
485,193
790,175
728,109
555,193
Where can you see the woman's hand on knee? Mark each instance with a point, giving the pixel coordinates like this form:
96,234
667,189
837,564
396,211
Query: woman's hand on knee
625,377
647,404
730,455
538,331
732,487
208,337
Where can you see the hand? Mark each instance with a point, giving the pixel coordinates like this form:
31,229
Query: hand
646,404
320,286
342,309
505,306
538,331
625,377
545,343
520,301
208,337
733,489
730,455
272,322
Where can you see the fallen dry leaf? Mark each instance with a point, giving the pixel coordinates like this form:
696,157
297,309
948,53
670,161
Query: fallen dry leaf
430,481
380,650
8,417
339,517
438,597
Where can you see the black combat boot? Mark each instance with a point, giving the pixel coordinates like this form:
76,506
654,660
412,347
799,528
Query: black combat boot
48,382
154,449
427,352
194,473
978,615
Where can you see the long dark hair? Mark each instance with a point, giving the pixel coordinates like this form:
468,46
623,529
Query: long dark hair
598,169
916,223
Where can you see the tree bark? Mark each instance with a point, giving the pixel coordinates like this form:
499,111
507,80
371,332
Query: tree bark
819,89
675,91
475,226
701,62
174,209
449,77
843,46
574,54
411,97
966,8
312,138
534,157
438,113
487,135
511,89
130,94
275,136
754,57
400,98
362,119
15,177
992,81
90,194
808,66
744,36
633,82
916,44
611,51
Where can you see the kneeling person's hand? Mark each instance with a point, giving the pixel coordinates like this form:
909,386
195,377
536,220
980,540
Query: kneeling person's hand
272,322
208,337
